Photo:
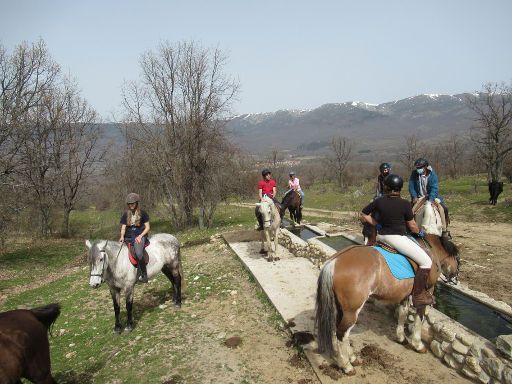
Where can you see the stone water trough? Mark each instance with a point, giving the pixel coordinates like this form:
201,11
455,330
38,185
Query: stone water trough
465,349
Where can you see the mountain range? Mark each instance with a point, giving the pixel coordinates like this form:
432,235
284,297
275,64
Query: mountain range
370,126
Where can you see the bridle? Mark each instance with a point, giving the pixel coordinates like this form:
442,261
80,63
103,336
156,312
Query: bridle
104,262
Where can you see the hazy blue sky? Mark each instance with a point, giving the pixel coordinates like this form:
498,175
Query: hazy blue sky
286,54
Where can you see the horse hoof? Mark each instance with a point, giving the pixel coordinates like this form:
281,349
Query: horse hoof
262,251
403,342
128,328
358,361
117,331
421,350
352,372
269,260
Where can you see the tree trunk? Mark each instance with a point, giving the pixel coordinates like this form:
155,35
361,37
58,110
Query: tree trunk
65,224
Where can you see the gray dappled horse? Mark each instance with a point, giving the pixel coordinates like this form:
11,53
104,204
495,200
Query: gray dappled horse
109,262
271,226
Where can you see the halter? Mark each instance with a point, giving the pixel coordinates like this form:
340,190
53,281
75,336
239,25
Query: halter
270,220
104,262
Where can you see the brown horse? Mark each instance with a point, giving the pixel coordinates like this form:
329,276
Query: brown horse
24,347
292,201
356,273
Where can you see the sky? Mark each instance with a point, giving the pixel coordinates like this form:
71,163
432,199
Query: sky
285,54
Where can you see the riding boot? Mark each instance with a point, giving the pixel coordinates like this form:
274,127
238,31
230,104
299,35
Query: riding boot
143,278
420,296
260,220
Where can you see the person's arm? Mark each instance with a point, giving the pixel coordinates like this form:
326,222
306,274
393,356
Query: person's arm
434,187
412,190
138,239
367,219
260,192
412,226
123,230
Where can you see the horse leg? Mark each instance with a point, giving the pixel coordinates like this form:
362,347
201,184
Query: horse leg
415,339
403,310
116,295
268,240
344,354
276,244
129,306
173,274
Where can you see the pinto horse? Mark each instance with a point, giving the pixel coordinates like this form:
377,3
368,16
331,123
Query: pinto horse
292,201
271,225
24,347
109,262
356,273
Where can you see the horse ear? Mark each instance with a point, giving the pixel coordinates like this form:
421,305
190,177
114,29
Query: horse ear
88,243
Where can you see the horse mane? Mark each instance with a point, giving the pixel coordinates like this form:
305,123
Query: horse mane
449,246
47,314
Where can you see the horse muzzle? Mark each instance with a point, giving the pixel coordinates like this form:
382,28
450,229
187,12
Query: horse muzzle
95,281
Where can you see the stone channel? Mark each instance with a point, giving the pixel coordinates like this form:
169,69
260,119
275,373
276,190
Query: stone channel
451,342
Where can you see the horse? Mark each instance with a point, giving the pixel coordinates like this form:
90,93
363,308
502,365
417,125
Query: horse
292,201
353,275
271,225
24,346
495,188
109,262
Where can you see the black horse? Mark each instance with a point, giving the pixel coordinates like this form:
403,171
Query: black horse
291,201
495,188
24,347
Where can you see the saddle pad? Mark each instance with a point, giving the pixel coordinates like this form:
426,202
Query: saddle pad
133,260
397,263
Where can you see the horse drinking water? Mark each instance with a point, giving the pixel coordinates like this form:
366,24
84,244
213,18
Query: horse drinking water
356,273
109,262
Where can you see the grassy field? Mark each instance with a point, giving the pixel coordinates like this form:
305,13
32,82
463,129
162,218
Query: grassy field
87,352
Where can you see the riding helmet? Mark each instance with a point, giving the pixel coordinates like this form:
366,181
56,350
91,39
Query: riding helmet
421,163
384,166
394,182
132,198
265,172
292,173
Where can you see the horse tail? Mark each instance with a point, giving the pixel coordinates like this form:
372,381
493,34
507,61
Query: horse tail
47,314
326,309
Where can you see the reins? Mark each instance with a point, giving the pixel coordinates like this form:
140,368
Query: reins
104,262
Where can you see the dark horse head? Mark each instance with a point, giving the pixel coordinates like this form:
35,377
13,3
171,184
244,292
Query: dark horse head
291,201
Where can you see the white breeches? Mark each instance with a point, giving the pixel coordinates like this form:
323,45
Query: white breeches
407,247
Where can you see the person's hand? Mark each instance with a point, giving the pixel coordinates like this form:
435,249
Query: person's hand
414,200
421,234
121,239
138,239
378,227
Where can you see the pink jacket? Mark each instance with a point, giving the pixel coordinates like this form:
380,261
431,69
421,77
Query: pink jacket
294,184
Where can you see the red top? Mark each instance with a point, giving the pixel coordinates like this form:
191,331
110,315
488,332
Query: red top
267,187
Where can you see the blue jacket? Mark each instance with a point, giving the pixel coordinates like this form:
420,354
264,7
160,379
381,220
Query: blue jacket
432,185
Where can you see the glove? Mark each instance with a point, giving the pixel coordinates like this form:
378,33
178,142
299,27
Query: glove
437,200
378,227
421,234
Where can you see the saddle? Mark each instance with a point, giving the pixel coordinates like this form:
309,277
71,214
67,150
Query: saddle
418,210
391,249
145,257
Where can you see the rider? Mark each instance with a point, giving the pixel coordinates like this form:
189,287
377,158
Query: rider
395,218
134,231
293,184
384,170
266,187
424,182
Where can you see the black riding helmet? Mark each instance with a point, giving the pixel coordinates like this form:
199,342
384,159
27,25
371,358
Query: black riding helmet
421,163
384,166
394,182
265,172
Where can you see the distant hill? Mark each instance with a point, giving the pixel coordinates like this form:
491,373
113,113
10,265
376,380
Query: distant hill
370,126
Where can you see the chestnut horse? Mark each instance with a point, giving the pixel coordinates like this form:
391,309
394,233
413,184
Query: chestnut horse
292,201
356,273
24,347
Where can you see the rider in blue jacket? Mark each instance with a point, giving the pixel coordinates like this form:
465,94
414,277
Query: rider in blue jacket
424,182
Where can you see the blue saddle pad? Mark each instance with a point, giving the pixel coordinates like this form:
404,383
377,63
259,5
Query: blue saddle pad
400,267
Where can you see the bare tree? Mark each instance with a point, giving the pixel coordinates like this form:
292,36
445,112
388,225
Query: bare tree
76,151
453,151
411,152
176,114
341,153
492,131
